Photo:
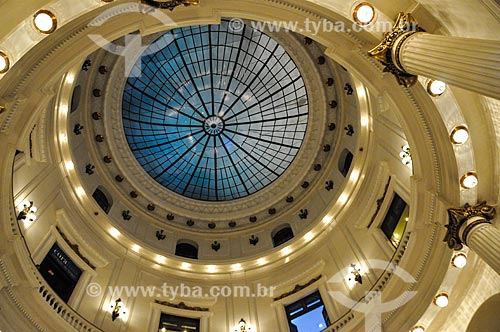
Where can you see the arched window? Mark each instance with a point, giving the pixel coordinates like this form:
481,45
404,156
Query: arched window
281,234
75,99
103,199
345,162
187,249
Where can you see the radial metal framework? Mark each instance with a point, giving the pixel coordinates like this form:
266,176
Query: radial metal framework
216,114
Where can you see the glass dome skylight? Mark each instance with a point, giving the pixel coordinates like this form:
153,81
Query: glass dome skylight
216,114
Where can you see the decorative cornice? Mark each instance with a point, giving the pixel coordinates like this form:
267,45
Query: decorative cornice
297,288
75,248
459,216
379,203
180,305
387,52
170,4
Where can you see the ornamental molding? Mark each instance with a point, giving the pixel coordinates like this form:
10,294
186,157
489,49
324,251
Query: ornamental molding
388,51
460,216
170,4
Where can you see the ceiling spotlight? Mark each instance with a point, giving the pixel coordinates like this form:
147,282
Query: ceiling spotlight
441,300
4,63
419,328
459,135
364,13
45,21
436,88
469,180
459,260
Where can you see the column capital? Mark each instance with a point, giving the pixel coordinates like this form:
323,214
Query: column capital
387,52
457,217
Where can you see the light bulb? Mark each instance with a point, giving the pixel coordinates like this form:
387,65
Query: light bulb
436,88
441,300
459,260
45,22
469,180
364,13
4,63
459,135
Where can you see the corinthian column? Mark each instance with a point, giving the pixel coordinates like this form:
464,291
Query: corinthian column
471,225
471,64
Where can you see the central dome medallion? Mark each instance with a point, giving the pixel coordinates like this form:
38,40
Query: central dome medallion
218,112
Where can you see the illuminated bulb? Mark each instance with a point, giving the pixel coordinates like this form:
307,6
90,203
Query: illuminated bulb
211,269
286,251
309,236
4,63
160,259
261,261
469,180
45,22
114,232
70,79
459,260
441,300
24,204
418,329
136,248
80,191
364,13
459,135
436,88
70,166
236,266
185,265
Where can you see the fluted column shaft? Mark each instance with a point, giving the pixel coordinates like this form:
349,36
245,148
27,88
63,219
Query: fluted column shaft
471,64
484,239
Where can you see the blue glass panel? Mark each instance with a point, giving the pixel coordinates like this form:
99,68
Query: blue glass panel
312,321
216,114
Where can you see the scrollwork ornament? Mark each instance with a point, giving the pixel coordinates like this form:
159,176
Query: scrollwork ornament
387,52
170,4
459,216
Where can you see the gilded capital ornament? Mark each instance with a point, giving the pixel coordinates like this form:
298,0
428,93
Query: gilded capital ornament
170,4
459,216
387,52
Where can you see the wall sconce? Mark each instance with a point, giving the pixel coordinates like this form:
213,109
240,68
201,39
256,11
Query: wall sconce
243,327
355,274
27,211
118,309
405,155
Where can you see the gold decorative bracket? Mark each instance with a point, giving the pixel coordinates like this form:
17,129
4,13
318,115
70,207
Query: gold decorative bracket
170,4
387,52
459,216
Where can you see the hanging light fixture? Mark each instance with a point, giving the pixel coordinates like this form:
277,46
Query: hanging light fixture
45,21
418,328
